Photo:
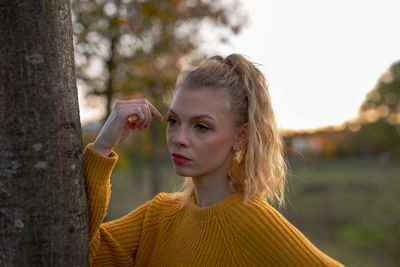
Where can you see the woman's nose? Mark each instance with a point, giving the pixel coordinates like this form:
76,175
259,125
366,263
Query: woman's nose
180,137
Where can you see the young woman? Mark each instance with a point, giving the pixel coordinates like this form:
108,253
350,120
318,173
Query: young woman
223,139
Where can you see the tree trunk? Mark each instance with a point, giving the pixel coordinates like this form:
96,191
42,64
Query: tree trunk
109,93
43,205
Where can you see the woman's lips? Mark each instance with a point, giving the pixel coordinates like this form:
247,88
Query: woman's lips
179,159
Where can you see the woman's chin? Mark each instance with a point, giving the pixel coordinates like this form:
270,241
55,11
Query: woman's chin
184,173
181,173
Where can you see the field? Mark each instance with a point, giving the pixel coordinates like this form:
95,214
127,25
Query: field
349,208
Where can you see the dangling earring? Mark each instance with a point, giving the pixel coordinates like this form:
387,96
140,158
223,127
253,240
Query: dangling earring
234,169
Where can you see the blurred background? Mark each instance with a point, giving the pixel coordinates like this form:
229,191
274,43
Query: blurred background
333,69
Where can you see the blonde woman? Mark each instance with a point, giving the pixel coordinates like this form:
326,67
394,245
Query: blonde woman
222,136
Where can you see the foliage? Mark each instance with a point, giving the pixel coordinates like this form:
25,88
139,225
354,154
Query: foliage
126,47
371,139
377,128
384,100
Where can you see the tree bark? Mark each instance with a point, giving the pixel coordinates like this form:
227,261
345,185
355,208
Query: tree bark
43,205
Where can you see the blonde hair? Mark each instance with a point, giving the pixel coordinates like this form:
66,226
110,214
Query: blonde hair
260,169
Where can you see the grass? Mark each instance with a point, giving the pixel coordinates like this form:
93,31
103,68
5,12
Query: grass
349,208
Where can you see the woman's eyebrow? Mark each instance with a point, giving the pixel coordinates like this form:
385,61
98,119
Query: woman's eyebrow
195,117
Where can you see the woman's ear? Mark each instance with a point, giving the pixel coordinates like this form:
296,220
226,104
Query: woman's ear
241,137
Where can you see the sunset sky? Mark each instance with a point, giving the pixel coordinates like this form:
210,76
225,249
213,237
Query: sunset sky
320,57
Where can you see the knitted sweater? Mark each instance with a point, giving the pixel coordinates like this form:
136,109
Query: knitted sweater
158,233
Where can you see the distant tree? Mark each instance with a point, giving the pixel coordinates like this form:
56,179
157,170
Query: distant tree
131,47
371,138
377,128
138,46
383,101
43,205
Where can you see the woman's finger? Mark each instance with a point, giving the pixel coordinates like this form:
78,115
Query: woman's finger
148,116
140,124
132,124
139,112
136,116
155,111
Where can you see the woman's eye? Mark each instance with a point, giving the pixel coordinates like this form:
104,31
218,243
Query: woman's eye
201,127
171,121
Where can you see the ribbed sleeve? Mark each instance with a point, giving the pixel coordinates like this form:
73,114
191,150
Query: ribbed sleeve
98,170
270,240
117,241
113,243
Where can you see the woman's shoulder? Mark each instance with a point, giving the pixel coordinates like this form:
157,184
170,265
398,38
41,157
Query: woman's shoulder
259,206
257,214
165,204
169,198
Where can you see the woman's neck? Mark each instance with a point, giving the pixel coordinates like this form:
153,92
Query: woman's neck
211,189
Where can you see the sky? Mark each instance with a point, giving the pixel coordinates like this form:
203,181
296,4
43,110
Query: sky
320,57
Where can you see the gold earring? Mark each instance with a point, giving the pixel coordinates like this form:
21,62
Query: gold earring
235,157
234,169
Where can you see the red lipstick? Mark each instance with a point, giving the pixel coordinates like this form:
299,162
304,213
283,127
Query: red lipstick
179,159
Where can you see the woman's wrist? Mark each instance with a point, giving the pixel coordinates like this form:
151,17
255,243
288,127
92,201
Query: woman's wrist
103,151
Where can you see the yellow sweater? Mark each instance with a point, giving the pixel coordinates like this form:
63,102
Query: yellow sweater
228,233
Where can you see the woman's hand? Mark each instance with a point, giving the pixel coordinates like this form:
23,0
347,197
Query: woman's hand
126,116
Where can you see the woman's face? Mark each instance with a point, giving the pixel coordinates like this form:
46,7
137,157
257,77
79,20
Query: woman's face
200,128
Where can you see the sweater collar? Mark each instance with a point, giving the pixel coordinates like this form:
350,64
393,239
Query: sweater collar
209,212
